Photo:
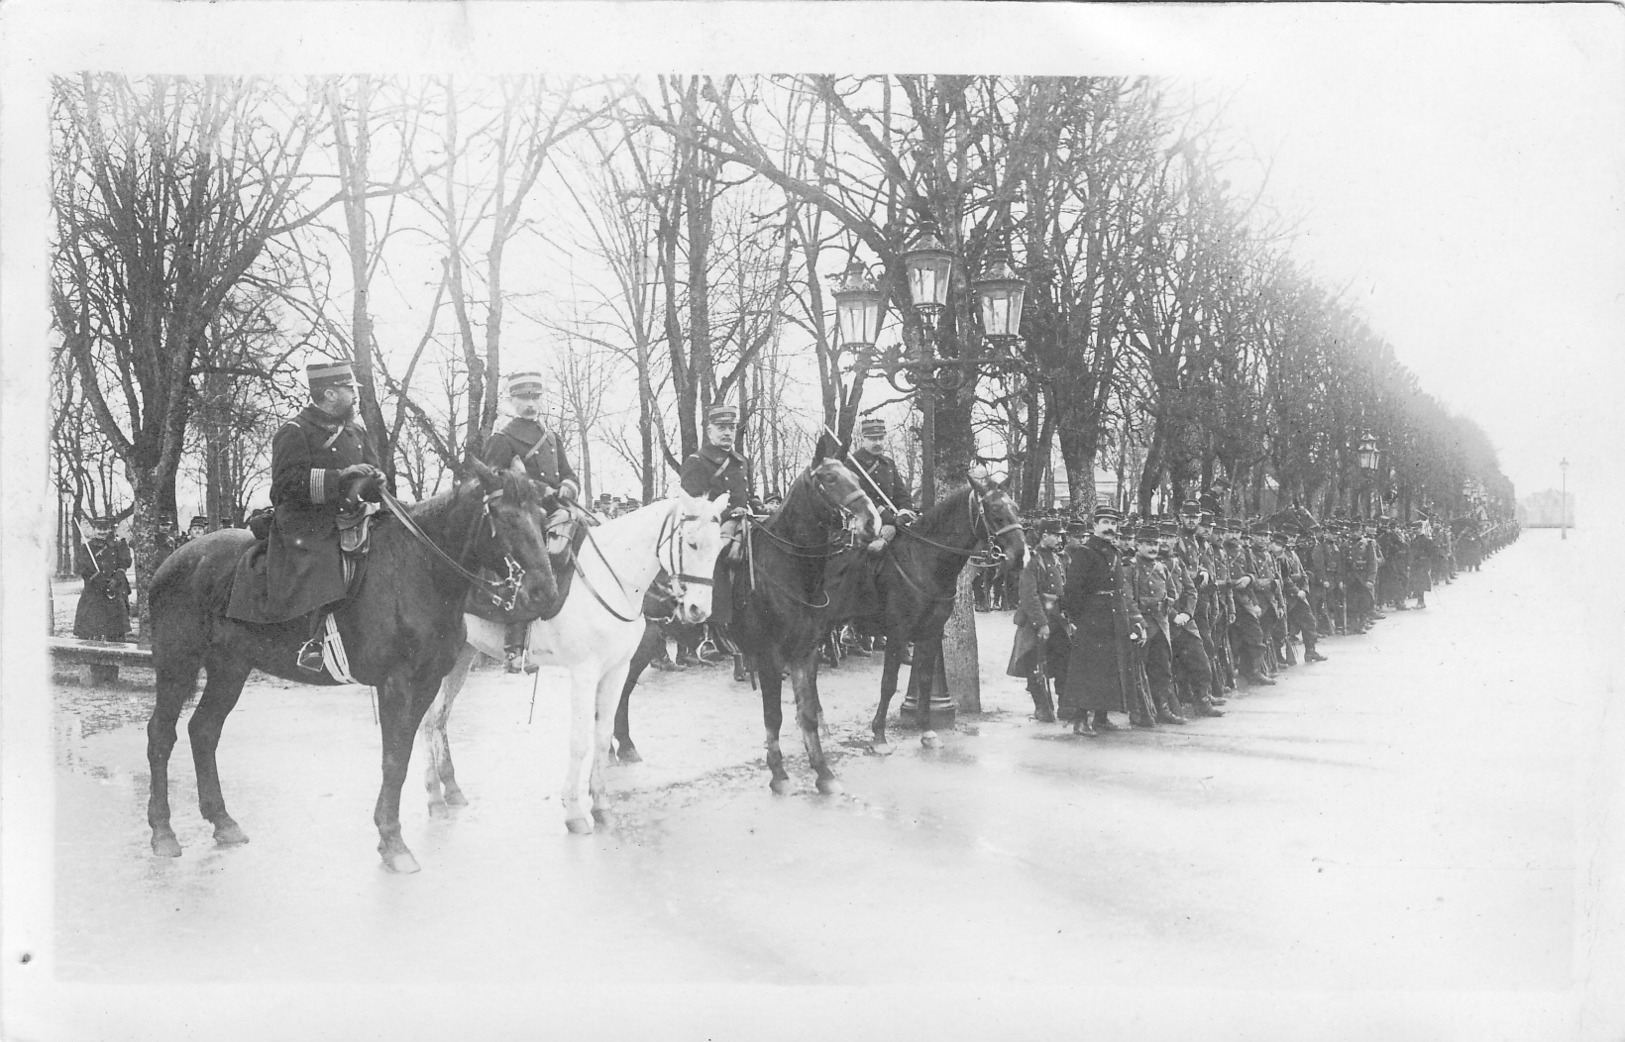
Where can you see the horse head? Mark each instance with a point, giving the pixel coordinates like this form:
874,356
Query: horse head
840,487
1000,520
689,554
517,543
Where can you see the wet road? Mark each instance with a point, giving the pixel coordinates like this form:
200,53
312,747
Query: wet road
1396,818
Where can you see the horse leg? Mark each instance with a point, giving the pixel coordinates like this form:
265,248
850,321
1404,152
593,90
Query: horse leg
402,701
654,641
770,673
177,680
439,776
809,714
611,691
584,678
226,675
888,688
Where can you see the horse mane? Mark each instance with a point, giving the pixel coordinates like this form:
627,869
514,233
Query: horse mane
516,489
943,509
801,505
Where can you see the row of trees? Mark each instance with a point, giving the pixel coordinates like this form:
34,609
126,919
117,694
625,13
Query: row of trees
671,239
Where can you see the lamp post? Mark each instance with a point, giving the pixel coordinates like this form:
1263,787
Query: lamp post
920,371
1563,466
1367,456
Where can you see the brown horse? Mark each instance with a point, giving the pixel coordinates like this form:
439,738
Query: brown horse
912,592
402,629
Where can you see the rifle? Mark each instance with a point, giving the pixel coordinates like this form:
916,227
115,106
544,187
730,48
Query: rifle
847,456
91,554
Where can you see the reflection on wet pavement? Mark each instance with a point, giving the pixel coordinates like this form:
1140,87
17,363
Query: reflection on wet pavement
1301,840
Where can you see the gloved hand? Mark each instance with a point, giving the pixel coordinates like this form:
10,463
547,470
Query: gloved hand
1138,635
1182,618
1202,577
1043,632
888,532
877,545
1302,595
907,517
360,470
567,491
1244,582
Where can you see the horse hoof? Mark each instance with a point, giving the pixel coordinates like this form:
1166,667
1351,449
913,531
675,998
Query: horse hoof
166,845
629,755
438,809
603,817
930,740
780,786
579,826
881,748
401,863
830,786
455,798
230,835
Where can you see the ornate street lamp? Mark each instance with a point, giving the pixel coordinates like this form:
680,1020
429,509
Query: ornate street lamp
999,292
1368,454
930,266
1368,457
857,308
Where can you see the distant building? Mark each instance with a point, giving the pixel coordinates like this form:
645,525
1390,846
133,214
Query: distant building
1545,510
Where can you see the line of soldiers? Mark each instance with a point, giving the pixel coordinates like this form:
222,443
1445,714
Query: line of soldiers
1160,618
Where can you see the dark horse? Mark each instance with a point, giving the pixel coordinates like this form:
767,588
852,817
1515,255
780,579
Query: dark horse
779,609
402,630
913,588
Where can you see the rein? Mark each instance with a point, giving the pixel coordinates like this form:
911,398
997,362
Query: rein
793,549
504,591
991,556
668,535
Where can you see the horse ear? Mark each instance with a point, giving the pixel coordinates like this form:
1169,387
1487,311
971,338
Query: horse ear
485,474
978,476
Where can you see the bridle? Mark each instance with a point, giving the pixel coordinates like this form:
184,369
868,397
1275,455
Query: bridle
991,554
504,592
670,542
843,506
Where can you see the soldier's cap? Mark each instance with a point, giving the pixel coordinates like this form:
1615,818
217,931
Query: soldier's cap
1107,513
1051,526
722,414
328,374
1167,528
525,381
1206,518
1190,506
1147,533
1078,526
102,522
873,427
198,520
166,519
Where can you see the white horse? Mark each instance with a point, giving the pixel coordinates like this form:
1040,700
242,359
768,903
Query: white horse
593,636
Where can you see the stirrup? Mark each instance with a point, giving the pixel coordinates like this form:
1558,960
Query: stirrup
309,657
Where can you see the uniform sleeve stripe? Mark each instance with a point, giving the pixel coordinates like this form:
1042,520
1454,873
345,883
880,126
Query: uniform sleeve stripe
318,485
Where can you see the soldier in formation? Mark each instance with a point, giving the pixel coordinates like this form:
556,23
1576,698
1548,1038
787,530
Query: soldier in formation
1157,619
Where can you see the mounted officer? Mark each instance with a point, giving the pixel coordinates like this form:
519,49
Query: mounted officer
895,501
322,464
525,444
716,469
104,602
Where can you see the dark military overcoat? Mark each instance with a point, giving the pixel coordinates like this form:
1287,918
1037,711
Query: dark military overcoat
303,569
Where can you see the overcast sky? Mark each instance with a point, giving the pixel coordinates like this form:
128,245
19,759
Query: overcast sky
1457,167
